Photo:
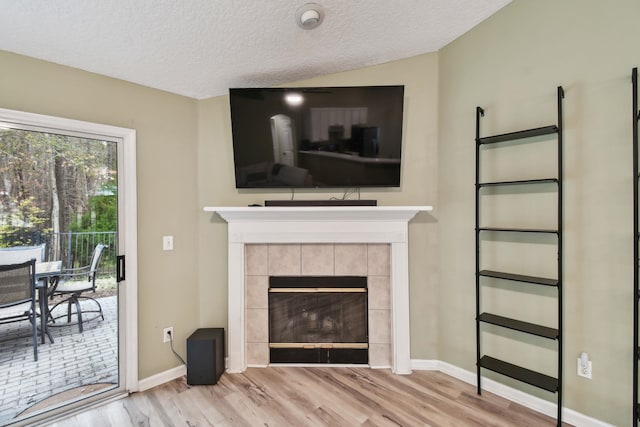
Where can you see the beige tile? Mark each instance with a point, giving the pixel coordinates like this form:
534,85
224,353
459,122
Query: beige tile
317,260
351,260
257,322
258,354
378,260
380,355
379,292
284,260
380,326
256,260
257,291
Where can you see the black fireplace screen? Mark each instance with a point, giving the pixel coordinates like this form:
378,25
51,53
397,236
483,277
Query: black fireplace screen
318,319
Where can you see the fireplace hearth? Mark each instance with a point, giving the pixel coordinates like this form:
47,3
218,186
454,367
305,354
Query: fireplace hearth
318,319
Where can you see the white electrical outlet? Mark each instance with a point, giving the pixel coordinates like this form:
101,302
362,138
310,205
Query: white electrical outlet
167,334
584,369
167,243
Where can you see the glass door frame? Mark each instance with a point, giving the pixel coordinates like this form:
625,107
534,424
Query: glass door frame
127,243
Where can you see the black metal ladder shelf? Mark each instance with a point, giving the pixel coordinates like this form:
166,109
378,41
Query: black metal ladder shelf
512,136
520,182
484,361
519,325
522,374
519,230
636,249
519,278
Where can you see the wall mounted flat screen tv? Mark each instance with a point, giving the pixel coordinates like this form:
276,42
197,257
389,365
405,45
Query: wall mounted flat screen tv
321,137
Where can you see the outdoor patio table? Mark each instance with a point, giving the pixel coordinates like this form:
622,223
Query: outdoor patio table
47,274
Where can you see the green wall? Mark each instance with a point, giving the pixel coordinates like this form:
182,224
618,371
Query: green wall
510,65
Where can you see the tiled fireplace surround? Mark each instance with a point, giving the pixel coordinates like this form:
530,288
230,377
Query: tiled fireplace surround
337,240
371,260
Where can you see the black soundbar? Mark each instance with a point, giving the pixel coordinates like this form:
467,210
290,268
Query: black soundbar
339,202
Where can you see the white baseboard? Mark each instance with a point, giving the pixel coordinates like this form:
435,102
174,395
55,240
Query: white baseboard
424,365
380,366
161,378
532,402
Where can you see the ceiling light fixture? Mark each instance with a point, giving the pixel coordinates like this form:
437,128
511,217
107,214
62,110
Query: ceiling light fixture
310,16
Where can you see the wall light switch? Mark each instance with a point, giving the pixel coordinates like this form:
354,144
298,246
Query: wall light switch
167,243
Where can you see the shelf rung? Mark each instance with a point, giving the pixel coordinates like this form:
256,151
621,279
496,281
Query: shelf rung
519,373
519,325
519,182
518,230
529,133
519,278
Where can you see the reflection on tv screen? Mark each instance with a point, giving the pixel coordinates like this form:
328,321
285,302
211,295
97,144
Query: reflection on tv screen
317,137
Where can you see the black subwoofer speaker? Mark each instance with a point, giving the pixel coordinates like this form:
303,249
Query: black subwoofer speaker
205,356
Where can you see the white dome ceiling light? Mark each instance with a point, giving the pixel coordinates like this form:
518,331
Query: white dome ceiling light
310,16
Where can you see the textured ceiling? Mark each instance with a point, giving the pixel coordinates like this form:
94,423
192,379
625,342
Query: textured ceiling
200,48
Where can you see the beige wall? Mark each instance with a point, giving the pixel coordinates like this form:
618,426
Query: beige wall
167,183
511,65
419,187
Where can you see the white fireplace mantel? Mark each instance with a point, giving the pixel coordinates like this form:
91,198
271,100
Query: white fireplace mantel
319,224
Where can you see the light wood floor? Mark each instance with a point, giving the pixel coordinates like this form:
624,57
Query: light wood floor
279,396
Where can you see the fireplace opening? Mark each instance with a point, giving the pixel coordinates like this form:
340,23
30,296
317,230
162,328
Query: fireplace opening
318,319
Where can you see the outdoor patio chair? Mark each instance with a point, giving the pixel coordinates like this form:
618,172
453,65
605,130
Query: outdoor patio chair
18,254
75,282
18,296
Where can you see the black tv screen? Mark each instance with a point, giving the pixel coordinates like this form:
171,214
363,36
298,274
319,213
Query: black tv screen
322,137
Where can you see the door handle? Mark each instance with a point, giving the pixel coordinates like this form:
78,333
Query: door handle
120,268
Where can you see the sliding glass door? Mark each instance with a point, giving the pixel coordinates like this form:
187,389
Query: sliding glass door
63,186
